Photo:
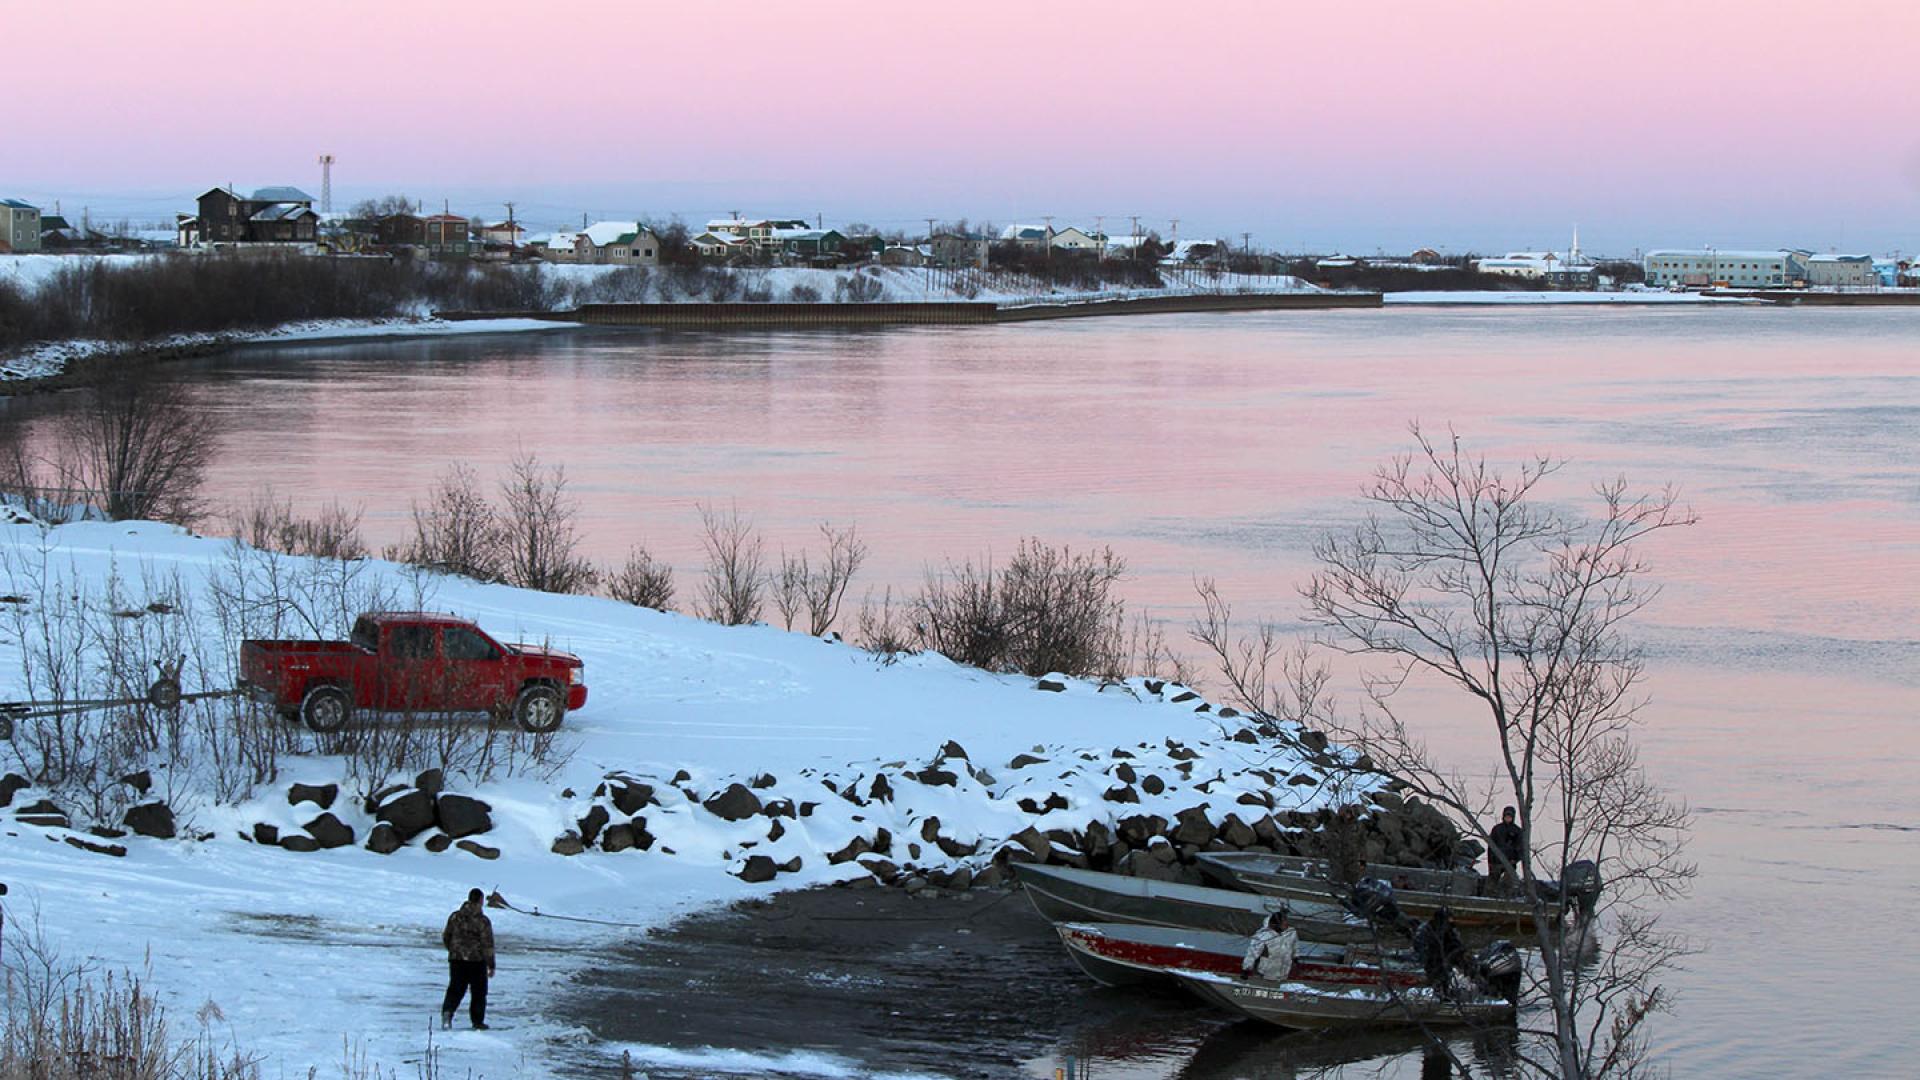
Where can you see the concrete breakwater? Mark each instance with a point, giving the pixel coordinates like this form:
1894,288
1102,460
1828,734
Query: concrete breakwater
930,313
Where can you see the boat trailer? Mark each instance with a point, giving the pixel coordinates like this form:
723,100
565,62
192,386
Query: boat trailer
163,693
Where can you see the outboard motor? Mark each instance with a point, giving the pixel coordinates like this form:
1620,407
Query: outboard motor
1372,900
1498,967
1582,886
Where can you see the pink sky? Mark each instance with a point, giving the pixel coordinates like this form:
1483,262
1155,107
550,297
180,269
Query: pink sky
1349,124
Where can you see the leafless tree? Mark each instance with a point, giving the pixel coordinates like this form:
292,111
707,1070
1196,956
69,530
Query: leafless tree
1466,576
270,523
1049,609
642,581
139,445
540,538
800,586
456,531
735,586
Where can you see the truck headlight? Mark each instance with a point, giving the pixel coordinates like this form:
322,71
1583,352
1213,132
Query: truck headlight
573,675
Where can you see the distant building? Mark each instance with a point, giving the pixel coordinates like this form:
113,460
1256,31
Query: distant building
1841,271
757,231
19,226
401,231
906,255
557,246
1425,257
1188,252
277,216
956,251
1743,269
1032,237
617,243
1550,268
807,245
448,236
1072,239
720,245
507,233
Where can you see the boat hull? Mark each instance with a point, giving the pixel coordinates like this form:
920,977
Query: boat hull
1063,894
1302,1005
1294,880
1120,954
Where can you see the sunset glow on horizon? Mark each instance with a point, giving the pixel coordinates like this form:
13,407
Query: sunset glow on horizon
1481,125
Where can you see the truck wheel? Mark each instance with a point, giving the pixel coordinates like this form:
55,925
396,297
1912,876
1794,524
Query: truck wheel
538,709
326,709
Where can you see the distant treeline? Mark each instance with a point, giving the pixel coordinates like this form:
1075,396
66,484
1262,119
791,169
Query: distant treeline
184,294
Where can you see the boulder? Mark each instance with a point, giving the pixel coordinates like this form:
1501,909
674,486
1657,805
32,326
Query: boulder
432,781
373,801
410,814
791,866
1314,740
1245,735
1236,833
475,847
616,838
882,842
384,839
264,833
960,880
141,781
1255,798
933,777
1192,826
153,819
734,804
299,842
1184,696
1302,780
44,813
854,848
1121,793
807,808
681,777
461,815
590,825
882,791
1152,784
329,831
1021,761
762,782
1178,752
11,785
1050,685
631,797
1267,831
1124,773
1140,829
879,868
96,848
1142,864
568,843
1033,841
776,831
915,883
439,842
777,808
951,749
321,795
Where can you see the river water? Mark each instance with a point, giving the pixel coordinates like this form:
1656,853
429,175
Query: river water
1785,648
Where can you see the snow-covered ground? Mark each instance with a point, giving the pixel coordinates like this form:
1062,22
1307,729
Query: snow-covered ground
302,950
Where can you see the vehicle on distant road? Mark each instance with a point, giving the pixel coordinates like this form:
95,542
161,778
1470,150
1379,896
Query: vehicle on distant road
412,662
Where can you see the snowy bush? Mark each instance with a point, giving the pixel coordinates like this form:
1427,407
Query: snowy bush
642,581
1048,610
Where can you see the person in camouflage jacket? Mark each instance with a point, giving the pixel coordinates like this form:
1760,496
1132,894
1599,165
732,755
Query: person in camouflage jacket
469,942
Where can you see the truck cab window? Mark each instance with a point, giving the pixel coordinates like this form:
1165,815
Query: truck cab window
463,644
366,635
411,642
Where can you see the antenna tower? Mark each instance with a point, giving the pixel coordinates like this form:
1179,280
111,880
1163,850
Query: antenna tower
326,183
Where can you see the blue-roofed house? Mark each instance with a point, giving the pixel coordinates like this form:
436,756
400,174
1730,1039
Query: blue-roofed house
19,226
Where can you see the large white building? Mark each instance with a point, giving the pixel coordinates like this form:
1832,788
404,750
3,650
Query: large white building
1710,266
1568,269
1843,271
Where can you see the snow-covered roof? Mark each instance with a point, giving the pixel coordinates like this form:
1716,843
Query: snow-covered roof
555,241
1024,232
1840,258
710,238
280,194
282,211
16,204
1717,253
602,233
800,234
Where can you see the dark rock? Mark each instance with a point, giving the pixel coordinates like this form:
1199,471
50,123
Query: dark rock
1184,768
384,839
1387,800
1203,707
1177,752
776,832
1122,793
1302,780
937,778
791,866
1152,784
1245,735
431,781
1035,842
1154,686
461,815
616,838
1228,712
1119,753
1021,761
97,848
953,749
1193,827
882,791
264,833
914,884
1314,740
955,849
1255,798
298,842
10,785
373,801
929,828
762,782
1185,695
105,833
1139,829
321,795
329,831
141,781
439,842
1124,773
807,808
153,819
855,848
734,804
631,798
1236,833
990,877
642,839
776,808
410,814
960,880
590,825
1053,686
1267,831
882,842
43,813
566,793
475,847
681,777
880,868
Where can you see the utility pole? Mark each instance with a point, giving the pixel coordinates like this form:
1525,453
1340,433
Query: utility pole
513,235
1175,238
326,183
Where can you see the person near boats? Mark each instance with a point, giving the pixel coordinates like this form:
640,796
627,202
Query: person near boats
1440,950
1271,950
1505,856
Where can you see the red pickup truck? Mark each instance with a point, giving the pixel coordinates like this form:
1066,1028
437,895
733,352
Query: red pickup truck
412,662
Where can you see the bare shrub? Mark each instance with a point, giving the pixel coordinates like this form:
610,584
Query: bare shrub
858,288
803,293
1049,610
826,588
456,531
540,537
880,629
642,581
138,445
735,586
269,522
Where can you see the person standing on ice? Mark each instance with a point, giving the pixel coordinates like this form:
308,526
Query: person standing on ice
1271,949
469,941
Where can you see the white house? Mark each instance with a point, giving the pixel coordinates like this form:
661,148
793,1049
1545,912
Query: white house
1072,239
619,243
720,245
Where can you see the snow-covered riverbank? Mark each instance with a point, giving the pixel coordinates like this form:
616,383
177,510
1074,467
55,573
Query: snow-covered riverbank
301,950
